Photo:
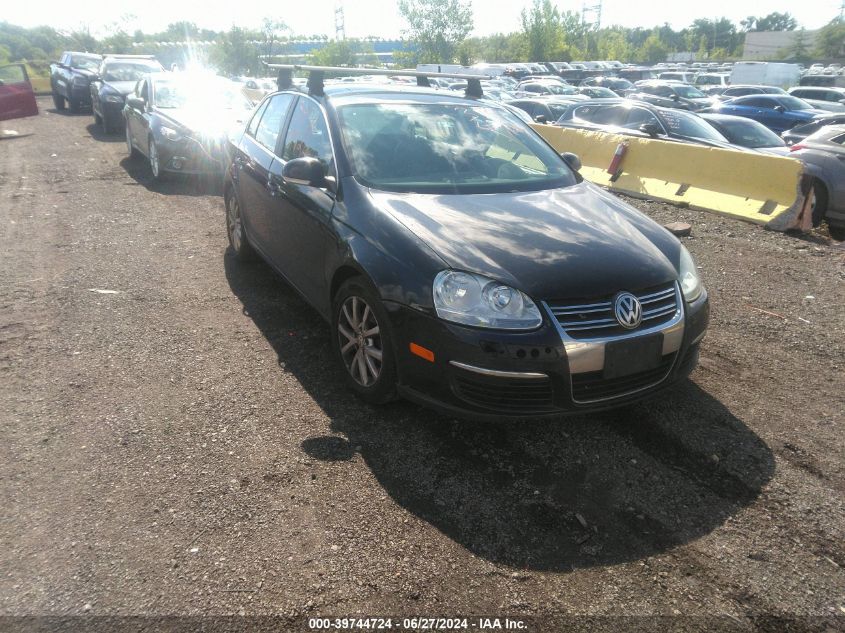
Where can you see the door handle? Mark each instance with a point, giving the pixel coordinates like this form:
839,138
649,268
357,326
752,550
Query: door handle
274,186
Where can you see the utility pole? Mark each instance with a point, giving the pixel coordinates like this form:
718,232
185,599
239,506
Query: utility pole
595,10
339,21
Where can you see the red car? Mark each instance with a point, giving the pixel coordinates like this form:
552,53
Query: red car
17,99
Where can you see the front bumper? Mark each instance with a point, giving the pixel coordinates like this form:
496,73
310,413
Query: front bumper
192,156
493,375
81,93
112,112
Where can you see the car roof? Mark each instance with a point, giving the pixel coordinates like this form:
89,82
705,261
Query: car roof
727,118
363,92
826,133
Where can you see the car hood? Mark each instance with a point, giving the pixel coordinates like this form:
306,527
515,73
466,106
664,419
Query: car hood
778,150
121,87
211,122
574,242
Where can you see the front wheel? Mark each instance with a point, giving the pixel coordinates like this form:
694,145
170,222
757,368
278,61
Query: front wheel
155,161
130,146
362,343
837,232
58,101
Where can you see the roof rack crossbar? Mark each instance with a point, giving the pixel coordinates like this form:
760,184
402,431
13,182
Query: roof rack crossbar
316,76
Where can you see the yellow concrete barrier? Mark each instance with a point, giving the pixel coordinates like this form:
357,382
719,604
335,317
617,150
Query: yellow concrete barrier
757,187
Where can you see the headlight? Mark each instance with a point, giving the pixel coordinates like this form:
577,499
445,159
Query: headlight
170,134
79,81
113,98
689,279
479,301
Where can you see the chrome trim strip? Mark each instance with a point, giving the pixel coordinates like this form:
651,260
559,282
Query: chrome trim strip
587,354
497,373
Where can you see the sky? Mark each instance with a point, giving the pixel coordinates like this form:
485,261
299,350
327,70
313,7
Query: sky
381,17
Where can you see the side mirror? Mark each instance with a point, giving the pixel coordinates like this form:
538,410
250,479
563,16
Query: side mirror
675,97
307,171
136,103
780,109
541,118
652,129
572,160
842,101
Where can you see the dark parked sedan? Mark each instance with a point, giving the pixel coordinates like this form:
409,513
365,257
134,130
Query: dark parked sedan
641,119
461,261
803,130
546,109
181,121
683,95
115,79
747,133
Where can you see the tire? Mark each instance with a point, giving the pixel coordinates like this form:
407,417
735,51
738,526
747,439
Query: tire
98,120
357,311
235,231
130,146
837,232
155,164
819,202
104,122
58,101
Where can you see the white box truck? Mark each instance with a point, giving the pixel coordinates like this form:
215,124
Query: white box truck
766,74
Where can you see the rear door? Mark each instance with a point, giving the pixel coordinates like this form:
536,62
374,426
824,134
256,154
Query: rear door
17,99
253,162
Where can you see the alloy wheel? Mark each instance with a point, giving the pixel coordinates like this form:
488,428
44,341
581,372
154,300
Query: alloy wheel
129,147
360,341
154,163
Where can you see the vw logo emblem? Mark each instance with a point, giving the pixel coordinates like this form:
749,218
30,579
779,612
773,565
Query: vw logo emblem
628,310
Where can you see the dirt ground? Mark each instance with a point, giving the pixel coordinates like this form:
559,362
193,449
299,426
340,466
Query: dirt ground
184,446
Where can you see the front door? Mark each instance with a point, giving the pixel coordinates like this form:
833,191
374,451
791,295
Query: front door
17,99
301,216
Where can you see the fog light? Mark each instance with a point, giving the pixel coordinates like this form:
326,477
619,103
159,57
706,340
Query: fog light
176,162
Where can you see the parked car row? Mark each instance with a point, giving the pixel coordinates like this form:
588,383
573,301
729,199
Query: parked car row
367,198
461,262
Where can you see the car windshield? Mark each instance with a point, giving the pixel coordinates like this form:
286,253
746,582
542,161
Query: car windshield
85,62
688,92
199,94
749,134
793,103
686,124
597,92
128,71
561,89
447,148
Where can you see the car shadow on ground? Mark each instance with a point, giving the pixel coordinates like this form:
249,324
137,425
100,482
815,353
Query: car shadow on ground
542,495
173,184
97,133
83,111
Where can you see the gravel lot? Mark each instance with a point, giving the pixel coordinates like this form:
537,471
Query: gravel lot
185,447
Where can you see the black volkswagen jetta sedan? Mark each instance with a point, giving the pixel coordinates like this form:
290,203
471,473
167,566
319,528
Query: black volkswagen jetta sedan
461,261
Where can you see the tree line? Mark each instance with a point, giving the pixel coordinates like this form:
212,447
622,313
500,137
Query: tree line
438,31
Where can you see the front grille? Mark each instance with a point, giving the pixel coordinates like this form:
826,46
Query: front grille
591,386
506,395
595,318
